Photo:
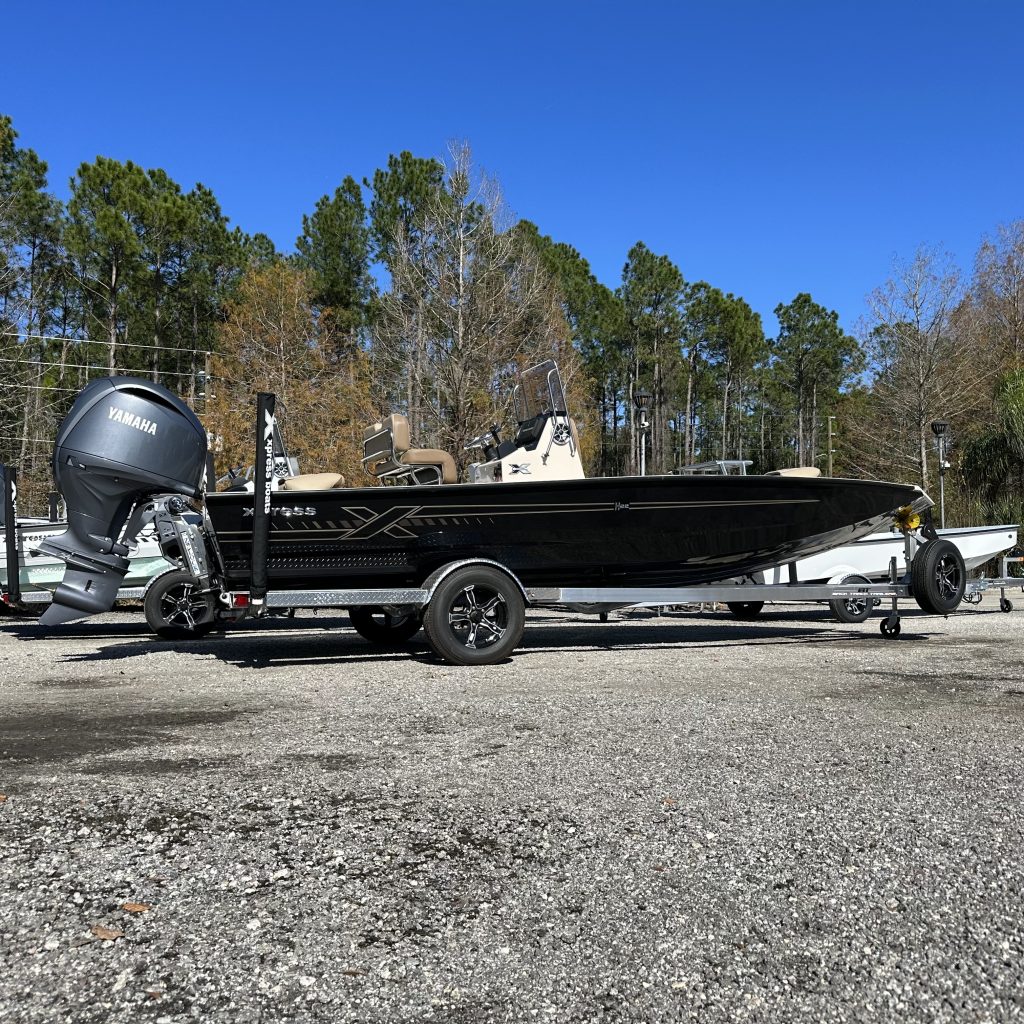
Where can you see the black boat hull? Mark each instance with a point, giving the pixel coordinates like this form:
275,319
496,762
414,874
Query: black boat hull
612,532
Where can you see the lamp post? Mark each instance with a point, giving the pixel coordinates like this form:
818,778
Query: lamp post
642,399
831,450
939,428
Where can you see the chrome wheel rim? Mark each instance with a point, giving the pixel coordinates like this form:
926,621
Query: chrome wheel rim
478,617
947,578
183,606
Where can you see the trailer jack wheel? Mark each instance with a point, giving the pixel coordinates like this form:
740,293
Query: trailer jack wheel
1005,604
890,625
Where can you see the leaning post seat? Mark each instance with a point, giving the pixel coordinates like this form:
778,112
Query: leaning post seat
388,453
417,459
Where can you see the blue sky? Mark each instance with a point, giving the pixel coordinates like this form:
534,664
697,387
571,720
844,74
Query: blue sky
769,148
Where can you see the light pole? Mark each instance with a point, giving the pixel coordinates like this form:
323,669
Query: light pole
831,450
642,399
939,428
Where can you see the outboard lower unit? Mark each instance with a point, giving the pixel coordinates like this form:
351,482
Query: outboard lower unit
124,440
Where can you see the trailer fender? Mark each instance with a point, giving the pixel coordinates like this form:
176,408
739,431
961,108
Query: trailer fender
153,580
433,581
842,572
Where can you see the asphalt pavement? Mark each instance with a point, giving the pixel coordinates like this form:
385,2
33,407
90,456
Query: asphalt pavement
661,818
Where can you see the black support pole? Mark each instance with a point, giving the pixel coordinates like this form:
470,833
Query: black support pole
10,475
262,486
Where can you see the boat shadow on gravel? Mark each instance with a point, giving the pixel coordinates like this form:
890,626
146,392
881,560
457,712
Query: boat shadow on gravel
296,642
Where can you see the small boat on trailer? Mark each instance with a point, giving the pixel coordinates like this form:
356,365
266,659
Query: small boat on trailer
462,560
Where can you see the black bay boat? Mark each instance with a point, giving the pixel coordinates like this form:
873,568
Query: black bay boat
605,532
463,559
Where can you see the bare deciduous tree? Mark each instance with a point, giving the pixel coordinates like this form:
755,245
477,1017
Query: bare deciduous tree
998,293
272,340
924,370
473,304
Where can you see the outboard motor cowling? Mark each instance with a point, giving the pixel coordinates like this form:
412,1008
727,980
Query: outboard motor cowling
124,440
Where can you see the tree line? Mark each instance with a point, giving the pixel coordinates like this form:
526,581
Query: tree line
416,290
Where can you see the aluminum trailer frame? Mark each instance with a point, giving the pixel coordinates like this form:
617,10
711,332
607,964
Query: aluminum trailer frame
596,599
599,598
1003,582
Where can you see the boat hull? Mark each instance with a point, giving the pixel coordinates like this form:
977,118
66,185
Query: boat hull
624,531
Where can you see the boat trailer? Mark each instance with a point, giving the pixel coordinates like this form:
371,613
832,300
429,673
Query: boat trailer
1003,582
402,603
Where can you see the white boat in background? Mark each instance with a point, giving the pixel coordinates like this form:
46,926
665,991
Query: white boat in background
40,573
870,556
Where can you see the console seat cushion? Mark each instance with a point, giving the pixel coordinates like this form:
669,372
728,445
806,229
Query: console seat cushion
313,482
795,471
431,457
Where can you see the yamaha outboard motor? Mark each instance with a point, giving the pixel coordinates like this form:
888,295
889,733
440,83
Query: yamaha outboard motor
124,440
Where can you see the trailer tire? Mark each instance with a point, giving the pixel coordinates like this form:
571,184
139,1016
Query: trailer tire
852,609
938,577
176,609
382,628
475,616
745,611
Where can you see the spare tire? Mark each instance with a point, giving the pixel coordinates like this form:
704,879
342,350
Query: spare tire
938,577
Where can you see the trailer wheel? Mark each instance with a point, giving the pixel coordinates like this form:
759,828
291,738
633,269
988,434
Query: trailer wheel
852,609
383,628
475,616
938,577
890,626
176,609
745,611
1005,604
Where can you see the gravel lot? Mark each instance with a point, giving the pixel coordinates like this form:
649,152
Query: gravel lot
658,819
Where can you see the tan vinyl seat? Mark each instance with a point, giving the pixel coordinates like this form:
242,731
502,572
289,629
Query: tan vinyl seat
427,458
313,482
795,471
